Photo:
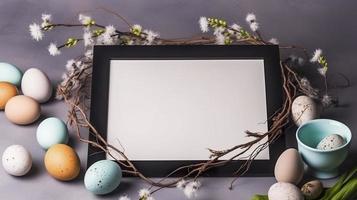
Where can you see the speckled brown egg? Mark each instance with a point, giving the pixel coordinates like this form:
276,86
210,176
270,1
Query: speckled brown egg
7,91
62,162
22,110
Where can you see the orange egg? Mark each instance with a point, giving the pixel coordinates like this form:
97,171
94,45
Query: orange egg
62,162
7,91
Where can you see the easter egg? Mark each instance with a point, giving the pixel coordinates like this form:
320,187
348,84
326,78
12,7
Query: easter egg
22,110
36,84
304,109
51,131
16,160
331,142
7,91
62,162
289,167
312,190
284,191
10,73
103,177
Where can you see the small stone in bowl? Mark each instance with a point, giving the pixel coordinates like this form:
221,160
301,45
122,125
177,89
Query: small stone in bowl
331,142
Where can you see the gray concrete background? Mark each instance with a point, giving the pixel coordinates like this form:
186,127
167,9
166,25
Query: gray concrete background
326,24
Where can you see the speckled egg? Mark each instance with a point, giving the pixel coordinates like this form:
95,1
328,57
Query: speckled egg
7,91
51,131
62,162
16,160
103,177
289,167
10,73
304,109
284,191
22,110
312,190
330,142
36,84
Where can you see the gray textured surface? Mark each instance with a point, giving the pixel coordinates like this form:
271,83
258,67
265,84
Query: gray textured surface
327,24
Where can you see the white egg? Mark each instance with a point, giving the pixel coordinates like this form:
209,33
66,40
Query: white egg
284,191
304,109
16,160
330,142
36,84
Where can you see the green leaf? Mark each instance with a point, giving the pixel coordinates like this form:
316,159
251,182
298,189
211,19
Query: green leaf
329,193
348,191
260,197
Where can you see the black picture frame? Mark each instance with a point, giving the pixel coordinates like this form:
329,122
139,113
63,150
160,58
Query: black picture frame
100,93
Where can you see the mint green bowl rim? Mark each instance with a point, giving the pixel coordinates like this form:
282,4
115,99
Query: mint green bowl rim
348,140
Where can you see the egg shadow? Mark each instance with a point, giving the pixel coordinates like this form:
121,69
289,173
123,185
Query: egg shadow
122,189
34,172
72,140
79,179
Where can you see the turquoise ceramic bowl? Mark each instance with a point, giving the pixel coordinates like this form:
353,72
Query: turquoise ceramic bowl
322,163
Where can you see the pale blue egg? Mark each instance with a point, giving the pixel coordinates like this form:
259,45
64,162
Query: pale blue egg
10,73
51,131
103,177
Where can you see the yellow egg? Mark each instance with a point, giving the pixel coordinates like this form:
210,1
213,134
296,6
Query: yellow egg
22,110
7,91
62,162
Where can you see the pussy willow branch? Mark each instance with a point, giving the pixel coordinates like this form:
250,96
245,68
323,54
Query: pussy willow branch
78,119
77,97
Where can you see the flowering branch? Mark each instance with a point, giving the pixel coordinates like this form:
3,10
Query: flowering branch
75,90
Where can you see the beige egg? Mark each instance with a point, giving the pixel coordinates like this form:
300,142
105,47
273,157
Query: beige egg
304,109
289,167
312,190
22,110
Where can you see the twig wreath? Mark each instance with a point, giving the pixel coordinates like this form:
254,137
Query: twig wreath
75,88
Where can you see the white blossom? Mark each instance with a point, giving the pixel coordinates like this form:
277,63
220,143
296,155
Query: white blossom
150,198
88,38
305,82
108,37
203,24
54,51
317,54
191,189
322,71
326,100
236,27
64,76
35,31
46,17
254,26
125,197
250,18
144,193
137,27
220,39
274,41
150,37
301,61
59,97
84,19
218,31
181,184
70,65
89,53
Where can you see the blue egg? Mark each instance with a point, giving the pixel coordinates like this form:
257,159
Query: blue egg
51,131
10,73
103,177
